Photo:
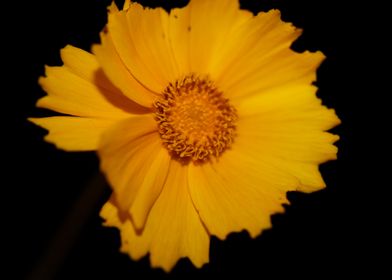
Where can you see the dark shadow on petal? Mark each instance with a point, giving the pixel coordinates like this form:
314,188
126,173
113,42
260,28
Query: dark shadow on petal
115,96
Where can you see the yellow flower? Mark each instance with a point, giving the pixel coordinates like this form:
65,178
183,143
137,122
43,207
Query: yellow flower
203,119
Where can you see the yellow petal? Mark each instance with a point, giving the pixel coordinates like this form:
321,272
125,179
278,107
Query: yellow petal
125,49
116,71
155,49
127,4
288,123
238,192
179,35
79,88
136,165
211,27
285,126
298,154
114,9
150,188
279,144
284,68
73,133
148,59
281,101
173,229
308,174
257,57
111,215
254,39
85,65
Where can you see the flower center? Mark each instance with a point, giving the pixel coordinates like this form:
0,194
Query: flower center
194,120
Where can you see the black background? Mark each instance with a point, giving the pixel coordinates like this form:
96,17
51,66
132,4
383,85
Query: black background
321,234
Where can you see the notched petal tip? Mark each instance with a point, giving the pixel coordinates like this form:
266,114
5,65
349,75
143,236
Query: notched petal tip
67,49
332,119
42,102
73,133
112,8
337,121
127,4
34,121
319,55
47,138
276,14
41,78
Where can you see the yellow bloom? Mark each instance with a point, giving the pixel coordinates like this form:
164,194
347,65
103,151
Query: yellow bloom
203,119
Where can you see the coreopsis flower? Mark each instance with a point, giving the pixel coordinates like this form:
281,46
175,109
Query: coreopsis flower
203,118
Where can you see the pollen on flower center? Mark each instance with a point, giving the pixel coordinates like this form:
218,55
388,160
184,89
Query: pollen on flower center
195,121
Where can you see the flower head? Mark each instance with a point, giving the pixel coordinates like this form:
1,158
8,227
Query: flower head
203,118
